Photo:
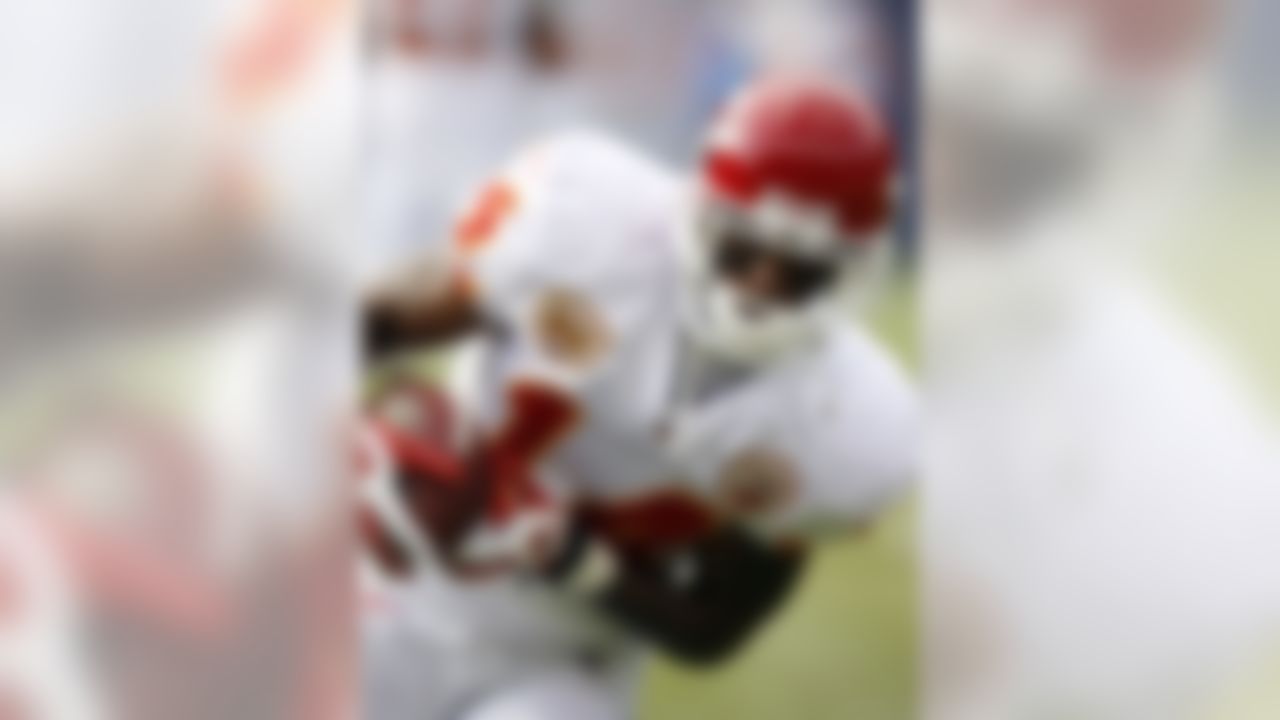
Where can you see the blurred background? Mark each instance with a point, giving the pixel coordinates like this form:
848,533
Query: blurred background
454,88
190,194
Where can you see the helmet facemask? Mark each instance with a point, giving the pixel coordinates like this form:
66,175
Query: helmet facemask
757,296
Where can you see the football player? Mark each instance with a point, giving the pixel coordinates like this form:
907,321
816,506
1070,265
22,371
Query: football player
666,404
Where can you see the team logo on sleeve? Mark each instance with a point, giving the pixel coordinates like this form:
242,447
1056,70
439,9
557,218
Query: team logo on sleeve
570,327
754,482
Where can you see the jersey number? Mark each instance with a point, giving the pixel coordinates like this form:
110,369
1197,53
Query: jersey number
491,208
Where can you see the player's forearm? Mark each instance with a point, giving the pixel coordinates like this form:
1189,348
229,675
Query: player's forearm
704,604
418,307
695,633
390,324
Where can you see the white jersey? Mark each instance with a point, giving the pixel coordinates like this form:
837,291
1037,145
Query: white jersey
581,268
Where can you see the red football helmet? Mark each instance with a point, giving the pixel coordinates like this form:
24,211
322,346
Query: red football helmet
821,147
798,173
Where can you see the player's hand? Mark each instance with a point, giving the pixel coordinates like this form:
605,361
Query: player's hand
407,455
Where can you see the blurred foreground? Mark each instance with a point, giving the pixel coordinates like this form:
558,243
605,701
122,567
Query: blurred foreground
1102,487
